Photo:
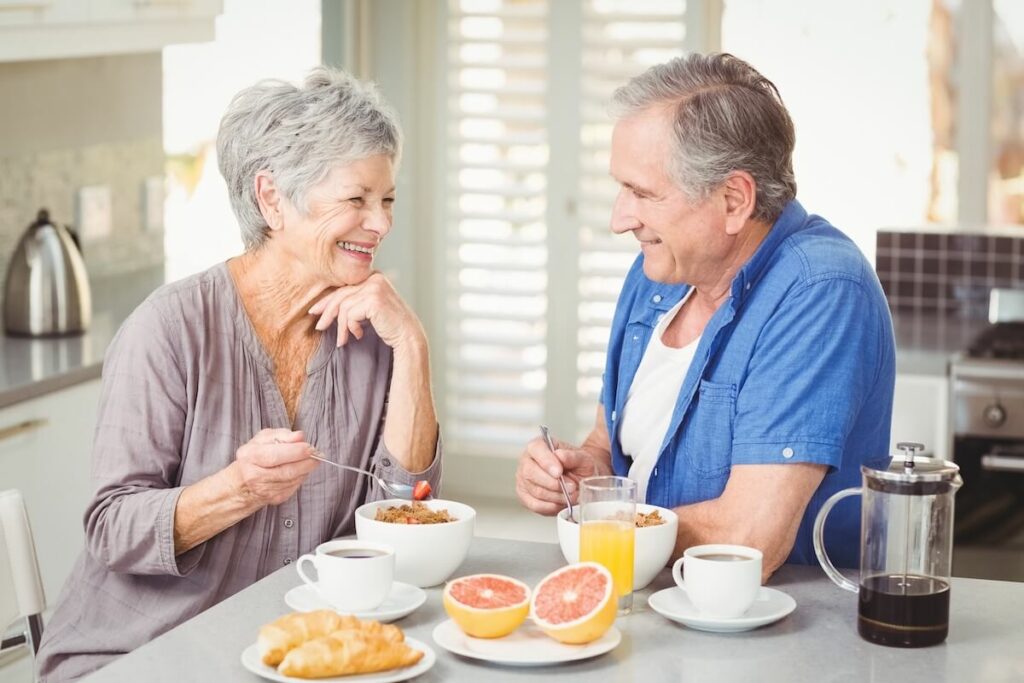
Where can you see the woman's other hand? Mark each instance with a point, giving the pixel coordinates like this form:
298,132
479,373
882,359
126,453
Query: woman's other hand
270,468
375,300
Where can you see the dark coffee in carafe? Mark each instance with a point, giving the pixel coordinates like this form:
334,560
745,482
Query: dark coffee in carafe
903,611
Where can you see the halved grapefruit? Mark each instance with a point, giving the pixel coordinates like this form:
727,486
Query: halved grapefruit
487,605
575,604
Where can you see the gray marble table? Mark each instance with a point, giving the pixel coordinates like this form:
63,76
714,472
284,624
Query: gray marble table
817,642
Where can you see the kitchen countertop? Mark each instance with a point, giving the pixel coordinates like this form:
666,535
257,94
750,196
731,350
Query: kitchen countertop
33,367
818,641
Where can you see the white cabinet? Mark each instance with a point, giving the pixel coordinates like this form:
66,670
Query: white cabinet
46,454
57,29
920,412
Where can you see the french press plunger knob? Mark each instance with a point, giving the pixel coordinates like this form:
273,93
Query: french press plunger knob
909,449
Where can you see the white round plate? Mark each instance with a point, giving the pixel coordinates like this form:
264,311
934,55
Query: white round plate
770,606
251,661
526,646
402,600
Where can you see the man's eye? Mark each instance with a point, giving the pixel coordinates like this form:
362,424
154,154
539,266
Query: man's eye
389,201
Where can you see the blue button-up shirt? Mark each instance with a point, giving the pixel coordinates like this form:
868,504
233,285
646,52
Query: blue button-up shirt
798,365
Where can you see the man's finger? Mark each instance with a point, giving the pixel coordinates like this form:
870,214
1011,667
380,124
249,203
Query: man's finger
545,459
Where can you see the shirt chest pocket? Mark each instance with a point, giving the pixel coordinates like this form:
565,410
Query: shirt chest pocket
707,436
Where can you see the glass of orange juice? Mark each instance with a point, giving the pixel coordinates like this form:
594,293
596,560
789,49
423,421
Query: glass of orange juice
608,529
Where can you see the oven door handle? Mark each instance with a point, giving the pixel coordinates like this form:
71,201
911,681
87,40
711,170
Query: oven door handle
1002,463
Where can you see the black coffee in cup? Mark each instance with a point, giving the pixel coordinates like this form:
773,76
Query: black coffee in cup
722,557
355,553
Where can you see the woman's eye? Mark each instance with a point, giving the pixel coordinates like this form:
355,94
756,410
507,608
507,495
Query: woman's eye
358,201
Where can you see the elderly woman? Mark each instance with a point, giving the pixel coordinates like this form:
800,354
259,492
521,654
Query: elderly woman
219,387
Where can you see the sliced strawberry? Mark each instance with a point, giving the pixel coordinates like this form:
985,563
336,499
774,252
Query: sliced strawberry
420,490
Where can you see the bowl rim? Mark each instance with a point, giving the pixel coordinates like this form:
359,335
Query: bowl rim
671,520
363,512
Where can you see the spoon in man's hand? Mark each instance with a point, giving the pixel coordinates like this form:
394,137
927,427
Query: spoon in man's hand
561,480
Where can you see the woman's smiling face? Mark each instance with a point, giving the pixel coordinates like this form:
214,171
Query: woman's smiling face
347,216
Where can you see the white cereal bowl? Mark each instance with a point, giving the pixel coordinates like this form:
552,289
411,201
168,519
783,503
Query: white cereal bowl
425,554
651,552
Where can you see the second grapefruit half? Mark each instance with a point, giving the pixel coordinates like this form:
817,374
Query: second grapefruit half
575,604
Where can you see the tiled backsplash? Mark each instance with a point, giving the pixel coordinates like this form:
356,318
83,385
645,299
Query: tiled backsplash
947,273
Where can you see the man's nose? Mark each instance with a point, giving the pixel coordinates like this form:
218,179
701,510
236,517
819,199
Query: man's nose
624,213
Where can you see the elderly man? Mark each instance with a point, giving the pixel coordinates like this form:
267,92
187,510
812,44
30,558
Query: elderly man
750,368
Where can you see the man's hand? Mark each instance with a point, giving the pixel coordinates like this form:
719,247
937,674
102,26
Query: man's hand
537,475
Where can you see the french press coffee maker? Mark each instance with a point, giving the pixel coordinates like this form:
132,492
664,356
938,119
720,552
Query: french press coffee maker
906,549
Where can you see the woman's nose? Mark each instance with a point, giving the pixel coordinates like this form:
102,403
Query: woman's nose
378,220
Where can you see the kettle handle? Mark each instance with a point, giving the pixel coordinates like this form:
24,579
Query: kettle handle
819,540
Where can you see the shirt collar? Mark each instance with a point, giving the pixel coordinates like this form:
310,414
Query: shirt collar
792,219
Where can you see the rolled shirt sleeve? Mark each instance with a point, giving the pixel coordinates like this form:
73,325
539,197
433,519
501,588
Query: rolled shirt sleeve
389,468
816,363
129,523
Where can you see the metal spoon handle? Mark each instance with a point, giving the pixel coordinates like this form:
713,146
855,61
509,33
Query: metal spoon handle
561,480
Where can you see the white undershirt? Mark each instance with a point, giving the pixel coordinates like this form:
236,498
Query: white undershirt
651,401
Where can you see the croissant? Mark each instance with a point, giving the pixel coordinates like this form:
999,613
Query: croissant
347,652
278,637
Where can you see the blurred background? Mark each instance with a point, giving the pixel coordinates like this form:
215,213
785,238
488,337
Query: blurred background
910,138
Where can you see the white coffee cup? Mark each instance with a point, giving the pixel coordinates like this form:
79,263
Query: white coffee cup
352,575
722,581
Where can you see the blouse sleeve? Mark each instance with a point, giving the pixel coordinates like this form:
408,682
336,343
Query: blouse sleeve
129,522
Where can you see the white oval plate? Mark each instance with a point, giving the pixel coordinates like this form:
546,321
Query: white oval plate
251,661
403,599
527,646
770,606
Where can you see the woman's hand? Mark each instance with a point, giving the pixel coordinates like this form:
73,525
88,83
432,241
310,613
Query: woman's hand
374,300
271,467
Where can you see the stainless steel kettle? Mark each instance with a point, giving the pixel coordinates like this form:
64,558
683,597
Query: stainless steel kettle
47,291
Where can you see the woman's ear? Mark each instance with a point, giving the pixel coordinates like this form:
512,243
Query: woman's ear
740,190
269,200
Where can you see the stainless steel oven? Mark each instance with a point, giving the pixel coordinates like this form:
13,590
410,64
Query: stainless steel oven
987,436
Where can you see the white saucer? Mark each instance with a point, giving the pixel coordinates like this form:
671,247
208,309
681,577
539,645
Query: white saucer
251,661
770,606
526,646
402,600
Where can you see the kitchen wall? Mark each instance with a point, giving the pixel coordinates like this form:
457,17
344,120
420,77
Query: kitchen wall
70,123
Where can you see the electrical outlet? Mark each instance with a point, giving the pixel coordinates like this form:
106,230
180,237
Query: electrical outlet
153,204
93,214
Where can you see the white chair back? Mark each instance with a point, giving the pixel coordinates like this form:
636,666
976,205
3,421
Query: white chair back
21,587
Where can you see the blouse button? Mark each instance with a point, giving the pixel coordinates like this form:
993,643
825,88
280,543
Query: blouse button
386,462
288,524
287,561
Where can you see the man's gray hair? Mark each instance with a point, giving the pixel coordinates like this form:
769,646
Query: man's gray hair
298,134
727,117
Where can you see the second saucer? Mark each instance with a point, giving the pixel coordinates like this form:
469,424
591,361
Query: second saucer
401,601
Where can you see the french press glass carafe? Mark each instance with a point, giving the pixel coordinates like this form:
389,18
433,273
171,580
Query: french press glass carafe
906,549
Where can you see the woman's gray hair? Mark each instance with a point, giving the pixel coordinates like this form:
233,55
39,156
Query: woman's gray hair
298,134
727,117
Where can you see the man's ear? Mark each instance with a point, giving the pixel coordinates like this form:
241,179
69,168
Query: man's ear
269,200
740,194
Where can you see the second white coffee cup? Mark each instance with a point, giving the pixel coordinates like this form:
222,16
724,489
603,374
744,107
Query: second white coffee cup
352,575
722,581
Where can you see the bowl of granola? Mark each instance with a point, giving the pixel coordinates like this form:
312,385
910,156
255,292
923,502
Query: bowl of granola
431,538
655,539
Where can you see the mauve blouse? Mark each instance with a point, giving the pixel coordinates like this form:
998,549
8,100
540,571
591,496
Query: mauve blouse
186,382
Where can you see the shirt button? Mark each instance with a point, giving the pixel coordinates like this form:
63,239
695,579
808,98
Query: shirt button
656,298
287,561
787,452
748,286
288,524
614,415
386,462
636,338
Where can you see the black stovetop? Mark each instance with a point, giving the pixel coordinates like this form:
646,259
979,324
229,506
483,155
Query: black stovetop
1002,340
